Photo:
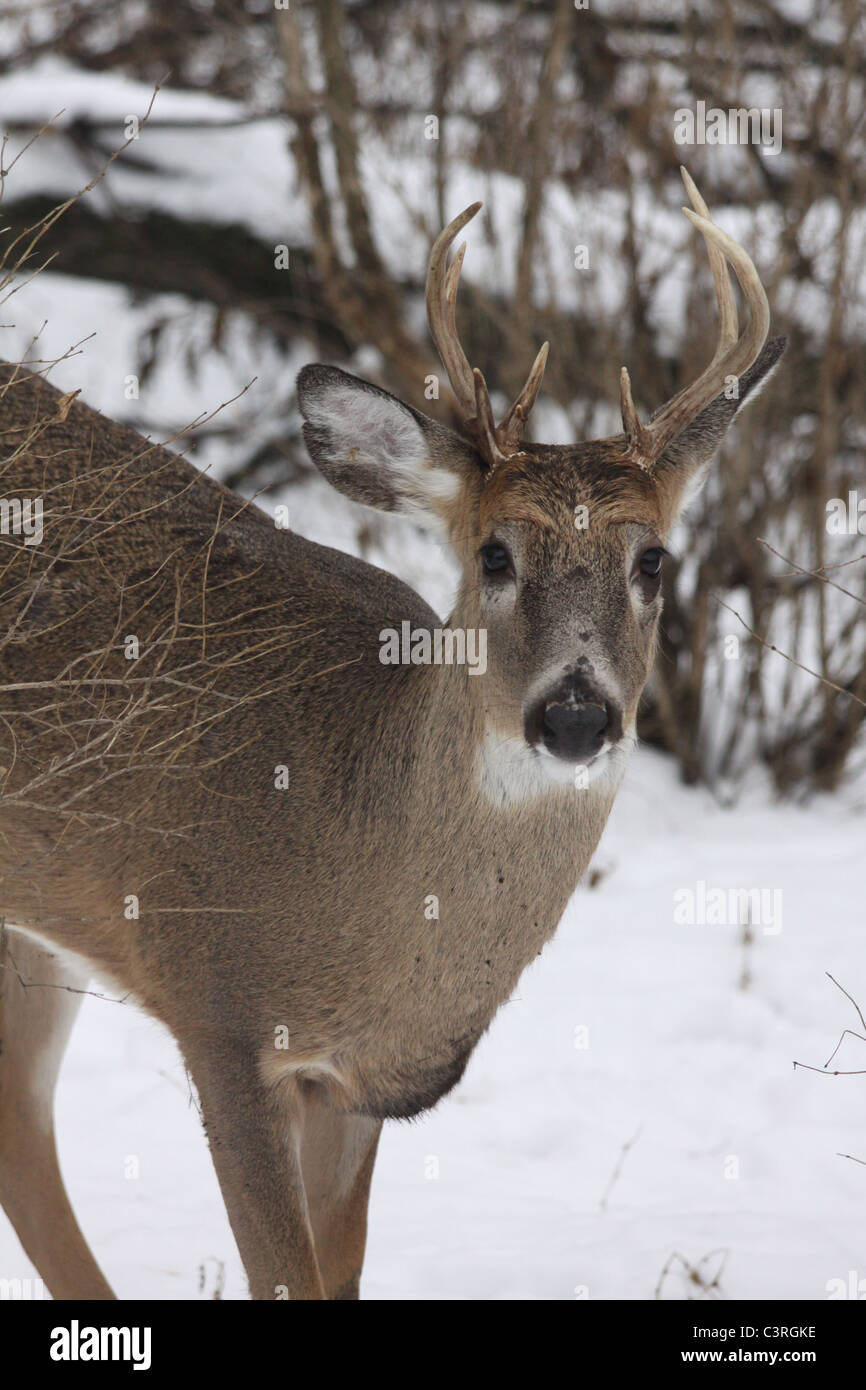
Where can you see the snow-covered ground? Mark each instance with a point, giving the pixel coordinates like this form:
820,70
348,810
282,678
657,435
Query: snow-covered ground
629,1024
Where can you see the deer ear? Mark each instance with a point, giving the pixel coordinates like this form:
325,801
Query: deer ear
682,470
378,451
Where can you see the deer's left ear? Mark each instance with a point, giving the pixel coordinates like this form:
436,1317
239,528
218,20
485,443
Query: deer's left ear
683,468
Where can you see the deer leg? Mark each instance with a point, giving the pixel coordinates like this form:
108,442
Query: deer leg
338,1152
37,1011
253,1132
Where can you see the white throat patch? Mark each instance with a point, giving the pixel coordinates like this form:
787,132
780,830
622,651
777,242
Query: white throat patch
510,772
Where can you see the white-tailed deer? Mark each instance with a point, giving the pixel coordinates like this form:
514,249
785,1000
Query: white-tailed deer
322,870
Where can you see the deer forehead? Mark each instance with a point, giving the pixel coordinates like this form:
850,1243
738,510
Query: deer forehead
579,492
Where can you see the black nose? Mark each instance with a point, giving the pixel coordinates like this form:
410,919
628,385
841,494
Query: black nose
574,729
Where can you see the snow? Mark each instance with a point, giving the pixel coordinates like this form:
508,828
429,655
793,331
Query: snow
498,1192
51,85
230,164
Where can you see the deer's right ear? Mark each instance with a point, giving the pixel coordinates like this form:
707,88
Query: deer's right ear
378,451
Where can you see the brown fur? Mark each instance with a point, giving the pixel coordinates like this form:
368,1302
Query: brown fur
267,912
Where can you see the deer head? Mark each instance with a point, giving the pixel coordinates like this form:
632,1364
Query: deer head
560,547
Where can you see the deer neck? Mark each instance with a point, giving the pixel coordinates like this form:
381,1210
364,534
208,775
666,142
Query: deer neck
477,871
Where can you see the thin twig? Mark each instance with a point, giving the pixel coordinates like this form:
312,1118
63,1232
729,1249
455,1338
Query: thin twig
770,648
614,1177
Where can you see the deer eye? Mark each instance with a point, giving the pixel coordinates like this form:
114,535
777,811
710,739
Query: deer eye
495,559
648,571
650,564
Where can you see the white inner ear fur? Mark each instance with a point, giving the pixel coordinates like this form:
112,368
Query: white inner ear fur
760,385
379,436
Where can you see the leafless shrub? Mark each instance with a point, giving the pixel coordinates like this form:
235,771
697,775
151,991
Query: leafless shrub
133,644
702,1280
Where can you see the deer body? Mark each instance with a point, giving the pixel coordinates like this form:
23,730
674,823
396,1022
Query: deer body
323,873
336,898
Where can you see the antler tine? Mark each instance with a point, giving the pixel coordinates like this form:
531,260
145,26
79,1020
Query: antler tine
441,298
488,436
728,324
495,442
637,435
452,282
734,353
514,423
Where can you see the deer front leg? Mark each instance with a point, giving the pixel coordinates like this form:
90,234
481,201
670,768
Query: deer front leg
338,1152
39,998
253,1132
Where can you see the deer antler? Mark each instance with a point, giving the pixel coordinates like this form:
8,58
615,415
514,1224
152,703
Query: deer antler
734,353
495,442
